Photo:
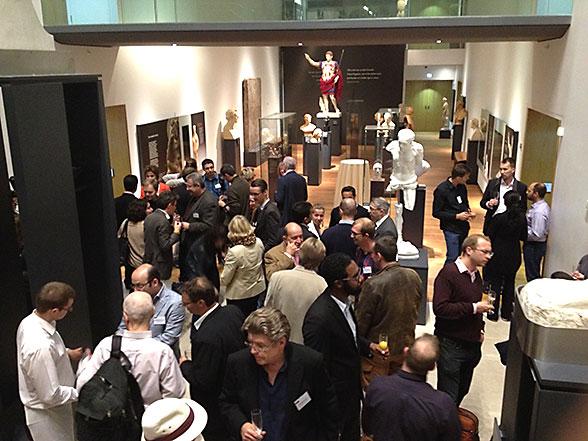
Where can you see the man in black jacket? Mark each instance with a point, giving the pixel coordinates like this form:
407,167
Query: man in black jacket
266,216
291,189
121,203
348,192
287,382
330,328
216,334
236,200
452,208
493,198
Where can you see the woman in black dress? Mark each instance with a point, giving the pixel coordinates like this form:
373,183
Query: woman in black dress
506,231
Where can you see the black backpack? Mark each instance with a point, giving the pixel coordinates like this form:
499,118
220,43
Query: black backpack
110,406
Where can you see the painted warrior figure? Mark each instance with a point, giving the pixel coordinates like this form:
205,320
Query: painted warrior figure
331,82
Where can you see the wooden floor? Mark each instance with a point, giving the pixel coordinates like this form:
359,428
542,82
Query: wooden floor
438,153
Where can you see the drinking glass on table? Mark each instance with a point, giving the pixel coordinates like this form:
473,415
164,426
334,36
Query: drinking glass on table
257,420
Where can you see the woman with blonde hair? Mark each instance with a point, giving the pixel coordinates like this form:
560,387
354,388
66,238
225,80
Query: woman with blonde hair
242,275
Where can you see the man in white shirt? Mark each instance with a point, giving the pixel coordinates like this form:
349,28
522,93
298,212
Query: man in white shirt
153,363
45,375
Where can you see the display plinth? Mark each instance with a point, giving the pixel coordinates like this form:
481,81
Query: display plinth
421,266
472,160
312,163
231,152
326,152
331,122
414,221
252,158
444,133
377,188
457,138
272,174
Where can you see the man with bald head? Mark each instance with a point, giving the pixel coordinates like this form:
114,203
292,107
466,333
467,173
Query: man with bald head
337,239
404,406
168,318
285,255
153,363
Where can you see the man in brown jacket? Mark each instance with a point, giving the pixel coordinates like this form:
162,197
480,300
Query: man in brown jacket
285,255
388,305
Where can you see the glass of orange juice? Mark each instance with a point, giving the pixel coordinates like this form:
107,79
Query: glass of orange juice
383,342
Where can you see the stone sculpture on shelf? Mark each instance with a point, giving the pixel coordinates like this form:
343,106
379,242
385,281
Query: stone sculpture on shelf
229,130
408,164
477,134
307,127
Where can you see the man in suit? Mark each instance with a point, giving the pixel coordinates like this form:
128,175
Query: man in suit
301,215
389,305
236,200
266,216
347,192
121,203
160,235
216,334
291,189
380,215
337,239
284,255
286,381
493,198
330,328
197,223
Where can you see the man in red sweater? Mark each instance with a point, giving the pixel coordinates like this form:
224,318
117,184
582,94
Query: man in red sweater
458,308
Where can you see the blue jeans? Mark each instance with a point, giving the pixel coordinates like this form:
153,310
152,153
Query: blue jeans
533,252
453,242
455,367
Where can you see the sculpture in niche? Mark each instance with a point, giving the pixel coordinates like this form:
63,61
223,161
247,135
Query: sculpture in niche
408,164
195,142
307,127
401,8
477,134
229,130
331,81
174,156
445,112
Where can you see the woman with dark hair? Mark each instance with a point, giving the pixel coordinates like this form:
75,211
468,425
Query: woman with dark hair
152,172
506,231
132,229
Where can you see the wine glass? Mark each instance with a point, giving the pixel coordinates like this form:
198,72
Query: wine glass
257,420
491,299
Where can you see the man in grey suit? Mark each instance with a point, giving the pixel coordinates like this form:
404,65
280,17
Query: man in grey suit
160,235
380,215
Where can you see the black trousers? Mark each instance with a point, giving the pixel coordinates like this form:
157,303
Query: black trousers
247,306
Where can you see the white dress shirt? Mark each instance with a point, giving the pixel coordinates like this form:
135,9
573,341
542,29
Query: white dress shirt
346,310
198,322
45,375
504,188
153,365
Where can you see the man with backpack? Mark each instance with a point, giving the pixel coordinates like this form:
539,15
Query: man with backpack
152,363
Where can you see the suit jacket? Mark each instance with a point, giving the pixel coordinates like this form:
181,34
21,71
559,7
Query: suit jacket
336,214
326,330
338,239
121,206
291,189
275,260
159,239
387,228
493,191
317,421
184,197
243,271
389,304
202,215
306,233
268,225
237,198
218,336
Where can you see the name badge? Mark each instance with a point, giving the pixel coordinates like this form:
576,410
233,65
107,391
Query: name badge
217,185
196,215
159,321
459,201
302,401
367,269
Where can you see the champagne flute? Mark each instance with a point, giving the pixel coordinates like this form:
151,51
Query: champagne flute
257,420
383,342
491,299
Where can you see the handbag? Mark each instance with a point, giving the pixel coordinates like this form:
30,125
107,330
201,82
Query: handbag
124,248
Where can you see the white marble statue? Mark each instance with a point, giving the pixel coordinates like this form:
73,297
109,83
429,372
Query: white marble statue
229,130
406,250
445,113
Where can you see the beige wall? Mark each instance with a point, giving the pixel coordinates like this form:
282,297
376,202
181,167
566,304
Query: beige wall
508,78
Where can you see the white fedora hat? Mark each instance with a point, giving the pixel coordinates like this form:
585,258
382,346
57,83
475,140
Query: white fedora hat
173,419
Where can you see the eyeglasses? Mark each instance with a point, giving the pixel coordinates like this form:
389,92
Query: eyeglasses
357,276
257,347
141,285
488,253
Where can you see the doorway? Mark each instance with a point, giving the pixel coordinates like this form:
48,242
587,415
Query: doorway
118,145
426,98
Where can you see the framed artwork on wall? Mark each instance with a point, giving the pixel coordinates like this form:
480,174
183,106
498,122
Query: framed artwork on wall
159,144
511,143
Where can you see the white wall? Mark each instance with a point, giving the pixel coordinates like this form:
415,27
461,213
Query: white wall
157,82
507,79
20,27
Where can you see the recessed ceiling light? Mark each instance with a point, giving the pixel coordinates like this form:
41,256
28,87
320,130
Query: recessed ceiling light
429,75
438,41
300,43
174,44
365,8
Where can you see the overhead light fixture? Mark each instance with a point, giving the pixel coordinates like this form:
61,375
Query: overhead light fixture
439,41
365,8
371,13
429,75
174,44
300,43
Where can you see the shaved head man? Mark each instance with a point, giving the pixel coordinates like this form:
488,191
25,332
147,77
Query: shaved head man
285,255
338,238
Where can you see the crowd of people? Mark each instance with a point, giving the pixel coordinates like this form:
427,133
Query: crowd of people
292,326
